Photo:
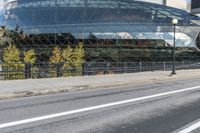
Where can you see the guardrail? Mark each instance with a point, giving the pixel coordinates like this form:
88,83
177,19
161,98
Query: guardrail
47,70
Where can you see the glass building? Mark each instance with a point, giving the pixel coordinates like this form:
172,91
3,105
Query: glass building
196,11
117,22
154,1
195,7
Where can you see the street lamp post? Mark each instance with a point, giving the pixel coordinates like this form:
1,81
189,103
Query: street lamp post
174,22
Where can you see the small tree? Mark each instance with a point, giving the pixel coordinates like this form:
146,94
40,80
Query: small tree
56,56
78,58
11,54
30,56
56,59
11,57
67,56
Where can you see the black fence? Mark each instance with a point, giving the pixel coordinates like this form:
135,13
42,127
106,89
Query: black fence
46,70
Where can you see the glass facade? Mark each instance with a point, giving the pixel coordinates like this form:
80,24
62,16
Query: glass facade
103,19
1,11
195,4
195,7
153,1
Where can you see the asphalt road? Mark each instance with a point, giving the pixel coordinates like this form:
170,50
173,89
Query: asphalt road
122,110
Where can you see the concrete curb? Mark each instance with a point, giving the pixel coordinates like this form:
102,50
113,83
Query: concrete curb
137,82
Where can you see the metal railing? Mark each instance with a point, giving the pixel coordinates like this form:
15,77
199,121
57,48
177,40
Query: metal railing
47,70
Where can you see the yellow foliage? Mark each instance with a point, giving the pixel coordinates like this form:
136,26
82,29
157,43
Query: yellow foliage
78,56
11,54
67,56
12,64
56,56
30,56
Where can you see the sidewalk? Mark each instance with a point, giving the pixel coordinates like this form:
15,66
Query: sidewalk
22,88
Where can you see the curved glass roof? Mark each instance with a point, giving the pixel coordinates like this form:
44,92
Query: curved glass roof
129,18
119,10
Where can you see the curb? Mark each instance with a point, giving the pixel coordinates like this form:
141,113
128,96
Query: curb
113,84
88,87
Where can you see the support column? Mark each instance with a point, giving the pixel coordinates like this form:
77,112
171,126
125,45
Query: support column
165,2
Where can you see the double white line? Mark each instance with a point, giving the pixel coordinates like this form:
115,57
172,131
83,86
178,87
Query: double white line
30,120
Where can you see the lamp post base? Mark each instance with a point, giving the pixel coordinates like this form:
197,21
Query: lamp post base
173,73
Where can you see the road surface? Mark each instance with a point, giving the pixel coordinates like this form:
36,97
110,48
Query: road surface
163,107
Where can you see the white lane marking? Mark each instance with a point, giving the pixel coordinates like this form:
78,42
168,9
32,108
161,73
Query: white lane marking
25,121
191,128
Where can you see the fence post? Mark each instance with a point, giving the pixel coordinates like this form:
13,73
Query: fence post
125,67
58,69
107,68
164,65
1,71
84,69
140,66
27,70
182,65
196,65
153,64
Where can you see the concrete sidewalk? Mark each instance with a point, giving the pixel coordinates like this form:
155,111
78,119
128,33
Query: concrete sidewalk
21,88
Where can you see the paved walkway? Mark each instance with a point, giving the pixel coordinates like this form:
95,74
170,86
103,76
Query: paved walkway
20,88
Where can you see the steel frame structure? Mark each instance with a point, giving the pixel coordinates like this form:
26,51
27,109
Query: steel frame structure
101,24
